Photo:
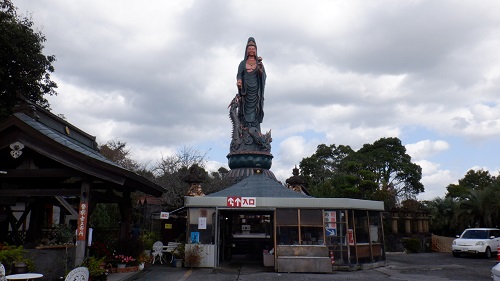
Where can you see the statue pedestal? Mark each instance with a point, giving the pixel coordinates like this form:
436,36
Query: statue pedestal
262,160
244,164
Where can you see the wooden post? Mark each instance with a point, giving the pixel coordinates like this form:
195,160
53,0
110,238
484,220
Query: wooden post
81,228
126,215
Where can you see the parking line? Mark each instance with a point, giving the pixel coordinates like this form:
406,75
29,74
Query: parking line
186,275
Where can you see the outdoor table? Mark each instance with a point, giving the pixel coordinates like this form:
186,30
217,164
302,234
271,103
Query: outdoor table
24,276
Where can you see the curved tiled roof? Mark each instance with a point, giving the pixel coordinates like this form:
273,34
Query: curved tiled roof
64,140
258,185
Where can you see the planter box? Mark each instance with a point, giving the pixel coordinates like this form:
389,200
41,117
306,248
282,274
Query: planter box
125,269
268,259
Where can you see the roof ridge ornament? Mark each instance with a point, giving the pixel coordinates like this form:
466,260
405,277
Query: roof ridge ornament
26,106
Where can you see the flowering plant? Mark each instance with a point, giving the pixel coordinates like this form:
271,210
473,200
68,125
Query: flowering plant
99,249
124,259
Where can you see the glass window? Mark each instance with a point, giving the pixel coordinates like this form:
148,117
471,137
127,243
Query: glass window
287,217
287,235
311,217
361,227
312,235
375,227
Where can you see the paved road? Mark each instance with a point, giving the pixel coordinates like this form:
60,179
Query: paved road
412,267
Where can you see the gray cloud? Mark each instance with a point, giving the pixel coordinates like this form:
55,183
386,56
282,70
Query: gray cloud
160,74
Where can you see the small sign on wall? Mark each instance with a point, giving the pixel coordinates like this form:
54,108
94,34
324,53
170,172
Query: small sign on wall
331,231
168,226
202,223
164,215
330,216
195,237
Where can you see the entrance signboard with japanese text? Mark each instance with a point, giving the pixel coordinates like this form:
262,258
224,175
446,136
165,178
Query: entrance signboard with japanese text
241,202
82,223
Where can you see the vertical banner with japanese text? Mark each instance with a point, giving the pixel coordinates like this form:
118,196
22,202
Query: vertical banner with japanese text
81,233
331,223
350,237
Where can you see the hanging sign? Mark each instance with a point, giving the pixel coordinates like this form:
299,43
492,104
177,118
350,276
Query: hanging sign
241,202
82,223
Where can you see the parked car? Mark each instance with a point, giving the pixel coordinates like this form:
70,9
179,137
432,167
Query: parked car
495,272
477,241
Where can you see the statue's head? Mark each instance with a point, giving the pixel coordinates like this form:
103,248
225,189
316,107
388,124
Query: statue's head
250,43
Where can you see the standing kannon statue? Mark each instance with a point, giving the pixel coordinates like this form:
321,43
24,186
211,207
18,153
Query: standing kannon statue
247,108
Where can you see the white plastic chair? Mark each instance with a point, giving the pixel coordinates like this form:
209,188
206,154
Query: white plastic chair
78,274
157,252
2,273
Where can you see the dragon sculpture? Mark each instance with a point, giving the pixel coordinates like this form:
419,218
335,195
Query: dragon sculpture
246,139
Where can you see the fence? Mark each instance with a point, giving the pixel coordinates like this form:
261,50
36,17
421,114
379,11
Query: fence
441,243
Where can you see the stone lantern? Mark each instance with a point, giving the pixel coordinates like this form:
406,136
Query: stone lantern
194,179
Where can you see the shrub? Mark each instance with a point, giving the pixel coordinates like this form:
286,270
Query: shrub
96,269
13,254
412,245
148,238
193,255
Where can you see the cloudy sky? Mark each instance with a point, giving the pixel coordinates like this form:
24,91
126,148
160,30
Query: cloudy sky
159,75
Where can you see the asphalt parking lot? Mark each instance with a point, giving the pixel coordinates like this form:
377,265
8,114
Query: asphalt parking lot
409,267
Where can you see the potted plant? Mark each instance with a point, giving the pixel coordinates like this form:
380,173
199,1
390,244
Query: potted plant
14,259
179,253
147,239
123,261
96,271
143,259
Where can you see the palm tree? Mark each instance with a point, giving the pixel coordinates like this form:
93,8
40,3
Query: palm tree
479,208
442,216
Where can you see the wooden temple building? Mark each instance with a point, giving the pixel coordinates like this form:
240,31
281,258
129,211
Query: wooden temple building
51,172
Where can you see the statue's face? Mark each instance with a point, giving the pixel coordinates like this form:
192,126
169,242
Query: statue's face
251,50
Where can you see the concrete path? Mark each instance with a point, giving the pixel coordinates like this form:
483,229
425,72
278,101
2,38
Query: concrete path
411,267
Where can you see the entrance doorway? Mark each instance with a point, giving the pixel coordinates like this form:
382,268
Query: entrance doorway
245,235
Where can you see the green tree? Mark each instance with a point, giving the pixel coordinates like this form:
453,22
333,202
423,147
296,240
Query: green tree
392,167
473,180
322,171
378,171
24,69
